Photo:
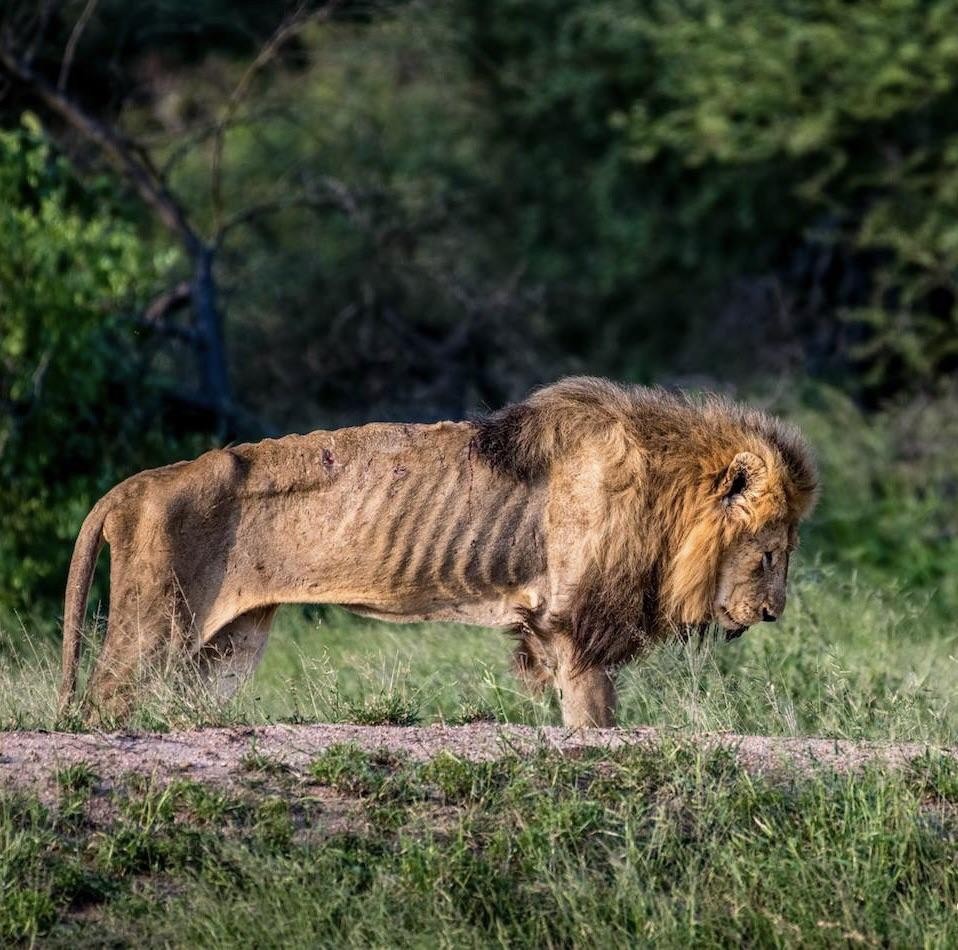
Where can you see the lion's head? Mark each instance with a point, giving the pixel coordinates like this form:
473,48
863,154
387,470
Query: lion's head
732,566
750,586
761,528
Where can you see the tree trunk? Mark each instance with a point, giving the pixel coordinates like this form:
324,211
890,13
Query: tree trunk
211,346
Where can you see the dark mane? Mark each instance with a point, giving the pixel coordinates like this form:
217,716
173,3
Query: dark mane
499,442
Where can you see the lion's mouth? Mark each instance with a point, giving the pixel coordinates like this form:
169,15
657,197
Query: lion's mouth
733,629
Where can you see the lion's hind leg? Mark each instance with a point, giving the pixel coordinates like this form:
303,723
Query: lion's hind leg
142,632
232,654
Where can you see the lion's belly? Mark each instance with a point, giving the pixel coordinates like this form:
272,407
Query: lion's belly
497,610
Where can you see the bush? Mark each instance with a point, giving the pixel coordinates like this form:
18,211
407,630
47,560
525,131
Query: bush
77,408
889,483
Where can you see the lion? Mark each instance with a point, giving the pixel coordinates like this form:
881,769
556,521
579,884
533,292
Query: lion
593,519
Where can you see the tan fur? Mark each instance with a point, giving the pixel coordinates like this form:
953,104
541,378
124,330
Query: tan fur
593,519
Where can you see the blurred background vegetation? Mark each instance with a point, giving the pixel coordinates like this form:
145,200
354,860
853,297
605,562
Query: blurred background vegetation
221,220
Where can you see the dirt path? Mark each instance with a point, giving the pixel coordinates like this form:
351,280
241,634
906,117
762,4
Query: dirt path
29,760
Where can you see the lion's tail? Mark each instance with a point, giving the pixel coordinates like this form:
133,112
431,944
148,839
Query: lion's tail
85,553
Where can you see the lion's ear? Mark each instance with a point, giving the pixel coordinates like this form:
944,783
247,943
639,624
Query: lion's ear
741,484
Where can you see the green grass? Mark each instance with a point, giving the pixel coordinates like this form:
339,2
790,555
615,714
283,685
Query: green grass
667,847
847,660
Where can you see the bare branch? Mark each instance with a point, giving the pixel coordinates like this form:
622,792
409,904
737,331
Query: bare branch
326,194
256,211
44,15
71,46
292,25
188,139
171,331
120,151
176,298
344,196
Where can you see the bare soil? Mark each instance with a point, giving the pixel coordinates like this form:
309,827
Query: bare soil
221,757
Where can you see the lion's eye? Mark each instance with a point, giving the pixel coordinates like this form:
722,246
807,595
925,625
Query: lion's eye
767,560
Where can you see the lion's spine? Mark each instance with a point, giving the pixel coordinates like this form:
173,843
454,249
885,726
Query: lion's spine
89,542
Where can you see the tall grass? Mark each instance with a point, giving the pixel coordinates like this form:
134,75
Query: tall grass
846,660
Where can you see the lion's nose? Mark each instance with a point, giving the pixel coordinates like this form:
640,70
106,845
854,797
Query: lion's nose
768,616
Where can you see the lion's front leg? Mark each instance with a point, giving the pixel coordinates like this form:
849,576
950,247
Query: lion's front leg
587,697
233,653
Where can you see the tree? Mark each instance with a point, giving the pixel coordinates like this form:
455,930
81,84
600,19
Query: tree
782,176
376,273
23,33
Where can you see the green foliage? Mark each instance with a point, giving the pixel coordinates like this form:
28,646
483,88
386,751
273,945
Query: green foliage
888,499
349,769
660,150
76,779
75,408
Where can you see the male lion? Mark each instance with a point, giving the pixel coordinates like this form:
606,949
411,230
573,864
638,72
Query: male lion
593,519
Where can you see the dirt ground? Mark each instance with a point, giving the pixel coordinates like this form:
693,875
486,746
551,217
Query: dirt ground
29,761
